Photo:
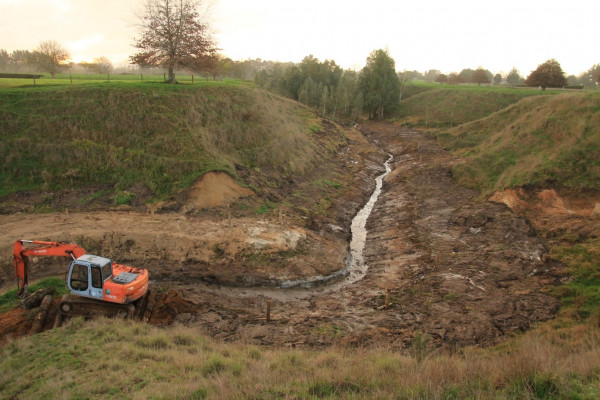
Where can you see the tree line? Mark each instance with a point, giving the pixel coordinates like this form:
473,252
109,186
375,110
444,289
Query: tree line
50,57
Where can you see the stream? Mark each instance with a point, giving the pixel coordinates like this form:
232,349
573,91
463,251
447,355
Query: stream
355,268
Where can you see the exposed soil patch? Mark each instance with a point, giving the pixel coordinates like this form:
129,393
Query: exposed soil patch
459,270
215,189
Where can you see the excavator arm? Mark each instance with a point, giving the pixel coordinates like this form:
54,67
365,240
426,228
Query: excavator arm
21,254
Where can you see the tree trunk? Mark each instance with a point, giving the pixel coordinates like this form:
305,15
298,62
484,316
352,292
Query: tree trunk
171,76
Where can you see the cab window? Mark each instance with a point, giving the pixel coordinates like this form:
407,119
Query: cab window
79,277
106,271
96,277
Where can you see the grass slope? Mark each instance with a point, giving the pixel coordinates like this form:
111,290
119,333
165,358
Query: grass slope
113,359
539,140
448,106
162,136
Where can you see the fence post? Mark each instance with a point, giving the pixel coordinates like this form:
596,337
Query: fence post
164,76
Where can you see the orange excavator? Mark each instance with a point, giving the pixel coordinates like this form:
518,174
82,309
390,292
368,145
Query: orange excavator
100,286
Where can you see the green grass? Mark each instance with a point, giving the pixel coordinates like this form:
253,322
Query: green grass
581,295
87,360
9,299
445,106
162,136
72,80
538,141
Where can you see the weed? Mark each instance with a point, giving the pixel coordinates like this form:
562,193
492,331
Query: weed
265,208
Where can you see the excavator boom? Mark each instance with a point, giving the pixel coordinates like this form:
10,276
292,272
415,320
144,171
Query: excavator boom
21,254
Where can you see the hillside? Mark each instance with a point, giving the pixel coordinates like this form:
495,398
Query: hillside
147,142
462,298
449,106
104,360
541,140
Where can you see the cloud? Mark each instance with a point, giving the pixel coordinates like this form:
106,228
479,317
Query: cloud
85,42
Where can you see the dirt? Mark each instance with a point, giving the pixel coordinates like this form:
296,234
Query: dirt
458,269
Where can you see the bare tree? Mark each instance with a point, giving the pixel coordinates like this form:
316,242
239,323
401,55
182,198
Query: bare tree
50,57
103,65
173,35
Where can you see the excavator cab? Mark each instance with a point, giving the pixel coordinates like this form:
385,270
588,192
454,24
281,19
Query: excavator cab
87,275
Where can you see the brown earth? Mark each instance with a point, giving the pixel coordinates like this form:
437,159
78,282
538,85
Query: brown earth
461,270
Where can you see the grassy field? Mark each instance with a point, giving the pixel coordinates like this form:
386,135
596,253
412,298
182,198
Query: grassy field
108,359
160,136
83,79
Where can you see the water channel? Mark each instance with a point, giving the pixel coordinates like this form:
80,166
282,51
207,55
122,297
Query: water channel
354,270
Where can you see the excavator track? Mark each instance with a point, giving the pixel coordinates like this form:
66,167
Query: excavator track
75,306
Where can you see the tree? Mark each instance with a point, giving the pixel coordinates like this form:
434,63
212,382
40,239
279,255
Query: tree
103,65
432,74
479,76
380,85
4,60
20,59
441,79
594,74
466,74
50,57
497,79
404,81
455,79
547,74
173,35
513,77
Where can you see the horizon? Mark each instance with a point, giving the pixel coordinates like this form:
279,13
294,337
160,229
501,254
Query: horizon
421,37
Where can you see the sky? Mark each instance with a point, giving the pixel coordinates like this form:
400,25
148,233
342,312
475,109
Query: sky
447,35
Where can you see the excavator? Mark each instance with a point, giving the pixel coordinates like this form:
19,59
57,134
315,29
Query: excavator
97,285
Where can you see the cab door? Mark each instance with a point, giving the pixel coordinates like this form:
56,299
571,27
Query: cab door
79,279
96,281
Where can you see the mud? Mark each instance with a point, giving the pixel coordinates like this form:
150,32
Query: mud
460,270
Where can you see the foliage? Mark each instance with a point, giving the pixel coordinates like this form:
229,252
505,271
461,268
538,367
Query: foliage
548,74
50,57
379,85
173,35
102,65
455,79
479,76
513,77
442,78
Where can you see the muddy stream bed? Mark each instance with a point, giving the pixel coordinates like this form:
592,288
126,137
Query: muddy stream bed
460,270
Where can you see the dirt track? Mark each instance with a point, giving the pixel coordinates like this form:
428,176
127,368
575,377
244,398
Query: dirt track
461,270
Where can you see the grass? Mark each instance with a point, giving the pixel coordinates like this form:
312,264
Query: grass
446,106
162,136
537,141
85,360
580,296
70,80
9,299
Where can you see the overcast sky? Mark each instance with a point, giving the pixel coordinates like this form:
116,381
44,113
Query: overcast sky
448,35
